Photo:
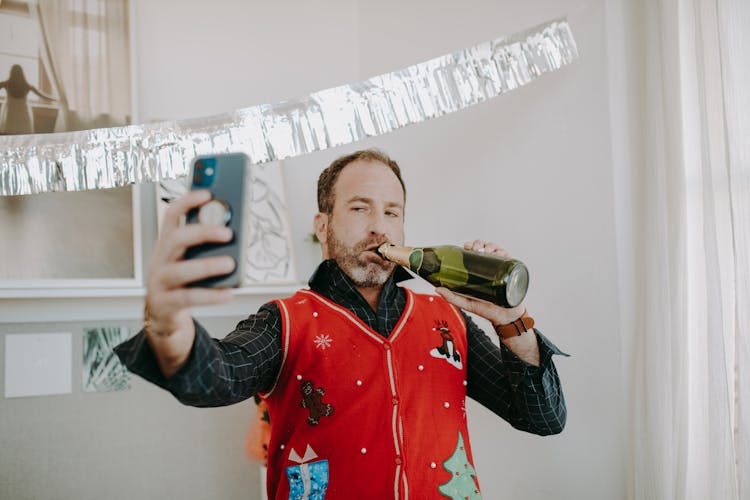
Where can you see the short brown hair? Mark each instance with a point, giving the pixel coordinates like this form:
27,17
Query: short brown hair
328,177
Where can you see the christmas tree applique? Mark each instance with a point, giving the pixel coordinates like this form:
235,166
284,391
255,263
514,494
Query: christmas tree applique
462,484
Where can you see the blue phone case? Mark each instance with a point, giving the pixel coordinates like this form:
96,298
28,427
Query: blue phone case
224,176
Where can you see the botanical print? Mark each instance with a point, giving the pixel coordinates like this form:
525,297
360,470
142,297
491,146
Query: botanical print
102,369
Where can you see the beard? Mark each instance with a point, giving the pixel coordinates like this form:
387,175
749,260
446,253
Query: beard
361,268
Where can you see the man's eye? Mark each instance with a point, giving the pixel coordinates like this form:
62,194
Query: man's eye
392,214
359,209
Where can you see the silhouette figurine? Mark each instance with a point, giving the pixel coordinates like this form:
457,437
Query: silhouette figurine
15,117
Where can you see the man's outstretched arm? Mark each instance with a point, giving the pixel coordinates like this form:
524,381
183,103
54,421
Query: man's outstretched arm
216,372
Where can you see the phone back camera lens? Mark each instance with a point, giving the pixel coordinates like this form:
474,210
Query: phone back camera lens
204,172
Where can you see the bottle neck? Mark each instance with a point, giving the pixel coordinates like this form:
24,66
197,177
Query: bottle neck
397,254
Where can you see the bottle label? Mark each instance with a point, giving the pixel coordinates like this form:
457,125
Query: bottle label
415,260
453,272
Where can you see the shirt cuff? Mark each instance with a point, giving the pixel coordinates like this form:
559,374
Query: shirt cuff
138,357
522,372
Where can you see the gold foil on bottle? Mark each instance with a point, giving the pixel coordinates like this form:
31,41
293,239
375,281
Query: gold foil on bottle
397,254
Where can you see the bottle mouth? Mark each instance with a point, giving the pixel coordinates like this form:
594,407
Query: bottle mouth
382,250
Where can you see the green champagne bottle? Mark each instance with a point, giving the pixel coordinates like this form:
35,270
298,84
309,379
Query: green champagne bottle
488,277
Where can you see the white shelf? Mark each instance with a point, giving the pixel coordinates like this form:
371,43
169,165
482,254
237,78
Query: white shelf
44,305
69,293
93,292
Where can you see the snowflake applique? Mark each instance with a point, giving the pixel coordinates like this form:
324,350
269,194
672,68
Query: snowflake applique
323,341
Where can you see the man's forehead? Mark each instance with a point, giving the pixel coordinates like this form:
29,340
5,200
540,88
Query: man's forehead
369,179
366,164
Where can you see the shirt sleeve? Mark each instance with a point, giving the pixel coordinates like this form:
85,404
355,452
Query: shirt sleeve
217,372
529,397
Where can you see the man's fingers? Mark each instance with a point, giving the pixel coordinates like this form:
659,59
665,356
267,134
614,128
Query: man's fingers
474,245
180,273
486,246
181,206
496,249
191,235
167,295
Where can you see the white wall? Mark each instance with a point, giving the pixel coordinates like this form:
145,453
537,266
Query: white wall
531,170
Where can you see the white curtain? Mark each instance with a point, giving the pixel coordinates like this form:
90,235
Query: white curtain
690,419
86,50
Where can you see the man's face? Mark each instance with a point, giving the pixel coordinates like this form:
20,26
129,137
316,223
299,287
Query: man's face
368,210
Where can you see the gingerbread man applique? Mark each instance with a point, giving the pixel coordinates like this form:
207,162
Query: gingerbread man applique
312,399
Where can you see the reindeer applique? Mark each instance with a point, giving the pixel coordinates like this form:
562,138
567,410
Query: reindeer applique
447,350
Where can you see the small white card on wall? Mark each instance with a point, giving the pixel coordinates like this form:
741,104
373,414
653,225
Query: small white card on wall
38,364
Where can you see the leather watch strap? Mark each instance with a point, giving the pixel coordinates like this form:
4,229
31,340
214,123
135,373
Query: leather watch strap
516,328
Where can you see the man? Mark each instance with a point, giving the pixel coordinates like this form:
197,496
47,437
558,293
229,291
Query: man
362,402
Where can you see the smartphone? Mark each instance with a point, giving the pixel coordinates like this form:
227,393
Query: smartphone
224,176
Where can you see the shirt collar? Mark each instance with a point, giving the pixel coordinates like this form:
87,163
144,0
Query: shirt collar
331,281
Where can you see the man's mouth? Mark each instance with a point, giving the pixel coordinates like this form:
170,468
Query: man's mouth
373,249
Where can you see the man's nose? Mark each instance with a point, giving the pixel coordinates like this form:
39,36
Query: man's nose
377,224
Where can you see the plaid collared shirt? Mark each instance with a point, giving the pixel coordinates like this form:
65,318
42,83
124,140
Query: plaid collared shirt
247,361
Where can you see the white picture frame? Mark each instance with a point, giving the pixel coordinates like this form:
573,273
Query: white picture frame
125,285
10,288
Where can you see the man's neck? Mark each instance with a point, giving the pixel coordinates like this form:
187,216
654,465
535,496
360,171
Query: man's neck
371,295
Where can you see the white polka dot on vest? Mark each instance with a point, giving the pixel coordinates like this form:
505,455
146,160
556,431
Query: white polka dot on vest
433,465
363,450
447,404
359,382
315,314
420,368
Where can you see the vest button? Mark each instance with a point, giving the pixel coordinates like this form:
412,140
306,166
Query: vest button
394,401
398,460
363,450
386,346
433,465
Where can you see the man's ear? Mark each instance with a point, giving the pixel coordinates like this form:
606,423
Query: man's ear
320,224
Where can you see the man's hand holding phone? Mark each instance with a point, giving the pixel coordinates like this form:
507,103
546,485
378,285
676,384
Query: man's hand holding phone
168,322
194,262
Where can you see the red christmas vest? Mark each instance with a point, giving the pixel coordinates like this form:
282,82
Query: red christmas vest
355,415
